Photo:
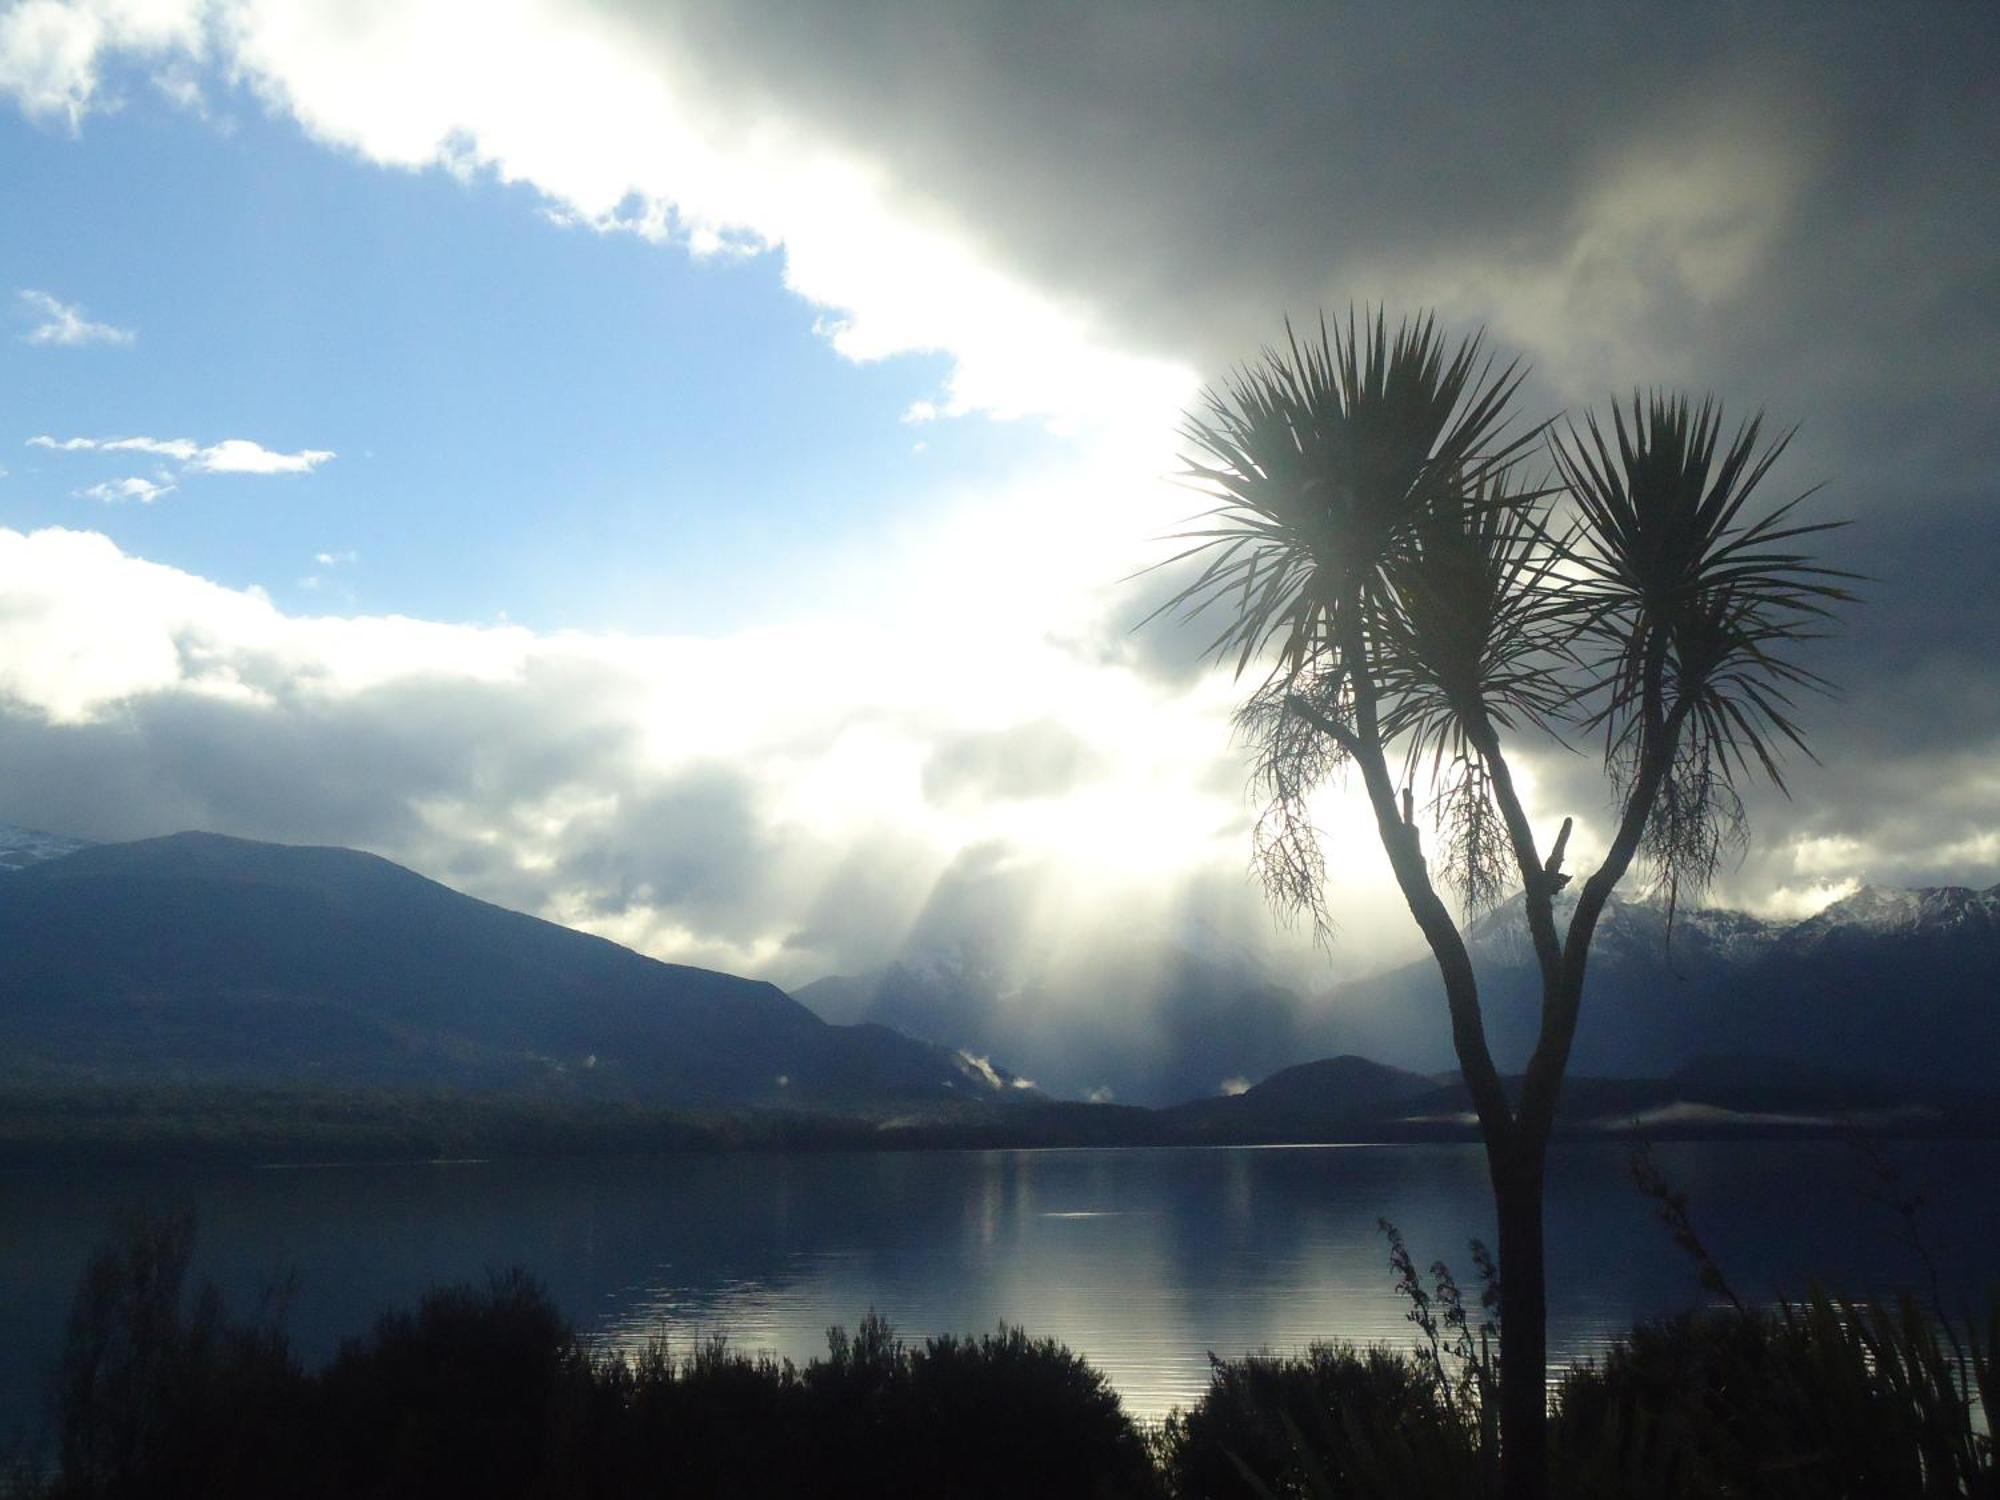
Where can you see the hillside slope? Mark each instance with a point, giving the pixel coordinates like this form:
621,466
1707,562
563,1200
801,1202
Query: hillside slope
199,958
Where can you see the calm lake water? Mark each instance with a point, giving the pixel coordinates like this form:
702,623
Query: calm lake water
1143,1260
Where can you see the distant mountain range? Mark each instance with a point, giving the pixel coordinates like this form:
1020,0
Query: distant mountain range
198,959
1349,1098
1902,986
1134,1022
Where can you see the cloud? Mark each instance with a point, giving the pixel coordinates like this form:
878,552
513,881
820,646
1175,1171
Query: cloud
1789,211
51,51
652,789
230,456
179,448
1042,759
241,456
64,324
627,132
145,491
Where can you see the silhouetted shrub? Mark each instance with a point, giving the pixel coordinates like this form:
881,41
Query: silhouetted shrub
1819,1398
1338,1420
1005,1414
455,1398
158,1393
712,1422
999,1415
488,1392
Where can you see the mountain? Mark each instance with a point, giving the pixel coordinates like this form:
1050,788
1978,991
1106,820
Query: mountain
1903,985
1310,1101
202,959
1137,1022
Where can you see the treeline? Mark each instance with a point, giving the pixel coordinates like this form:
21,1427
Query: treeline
109,1125
77,1125
487,1391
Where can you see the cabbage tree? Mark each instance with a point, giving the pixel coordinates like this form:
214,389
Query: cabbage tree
1412,610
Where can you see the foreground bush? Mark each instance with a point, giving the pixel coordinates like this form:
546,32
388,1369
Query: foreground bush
1820,1400
158,1392
1338,1421
488,1392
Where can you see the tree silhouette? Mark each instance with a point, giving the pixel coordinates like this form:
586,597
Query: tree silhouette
1372,541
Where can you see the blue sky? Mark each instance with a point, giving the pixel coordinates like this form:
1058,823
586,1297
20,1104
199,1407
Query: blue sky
531,419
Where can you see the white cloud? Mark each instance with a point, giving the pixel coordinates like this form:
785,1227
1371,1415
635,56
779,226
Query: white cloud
241,456
50,50
1134,796
145,491
336,559
179,448
559,772
230,456
626,132
65,324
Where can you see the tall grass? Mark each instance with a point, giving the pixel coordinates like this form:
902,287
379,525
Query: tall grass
1820,1398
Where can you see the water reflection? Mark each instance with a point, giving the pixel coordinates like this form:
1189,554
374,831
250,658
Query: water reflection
1143,1260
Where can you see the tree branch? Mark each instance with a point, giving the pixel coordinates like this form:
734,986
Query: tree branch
1331,728
1537,886
1562,1002
1399,842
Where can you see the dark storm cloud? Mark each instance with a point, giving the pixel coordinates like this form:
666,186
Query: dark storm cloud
1792,206
1191,172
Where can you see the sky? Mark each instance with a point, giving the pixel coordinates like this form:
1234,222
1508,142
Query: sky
680,468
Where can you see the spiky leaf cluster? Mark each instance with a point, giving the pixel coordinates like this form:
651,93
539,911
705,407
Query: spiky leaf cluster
1685,609
1370,539
1324,457
1367,528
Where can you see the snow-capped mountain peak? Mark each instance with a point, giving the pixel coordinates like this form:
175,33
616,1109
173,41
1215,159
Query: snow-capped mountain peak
20,847
1637,929
1629,928
1884,911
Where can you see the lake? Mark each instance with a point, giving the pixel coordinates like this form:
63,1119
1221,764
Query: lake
1143,1260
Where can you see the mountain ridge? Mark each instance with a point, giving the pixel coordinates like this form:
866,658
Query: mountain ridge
196,957
1908,981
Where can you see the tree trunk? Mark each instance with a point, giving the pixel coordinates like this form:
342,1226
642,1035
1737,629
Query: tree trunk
1516,1168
